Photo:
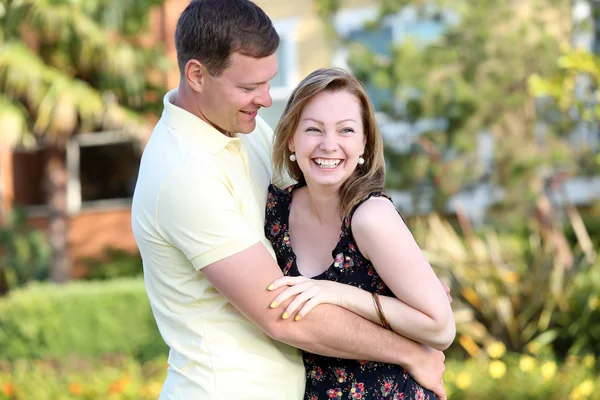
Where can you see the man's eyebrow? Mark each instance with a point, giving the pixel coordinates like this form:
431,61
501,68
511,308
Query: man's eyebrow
257,83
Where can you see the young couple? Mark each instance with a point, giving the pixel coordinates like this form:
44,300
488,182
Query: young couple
266,287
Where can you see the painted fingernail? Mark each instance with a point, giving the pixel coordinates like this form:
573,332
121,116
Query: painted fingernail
285,315
271,286
273,304
297,318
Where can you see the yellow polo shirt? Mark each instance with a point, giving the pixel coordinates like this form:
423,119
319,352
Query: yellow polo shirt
200,197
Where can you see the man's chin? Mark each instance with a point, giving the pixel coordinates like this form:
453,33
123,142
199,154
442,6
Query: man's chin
247,127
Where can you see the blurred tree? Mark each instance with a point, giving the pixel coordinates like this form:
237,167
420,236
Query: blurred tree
68,67
471,85
570,96
501,72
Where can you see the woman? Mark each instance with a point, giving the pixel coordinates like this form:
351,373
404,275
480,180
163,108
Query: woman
329,142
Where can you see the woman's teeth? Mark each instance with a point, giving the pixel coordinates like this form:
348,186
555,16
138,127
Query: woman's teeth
327,163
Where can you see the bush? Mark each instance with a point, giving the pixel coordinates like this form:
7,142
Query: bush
46,321
522,377
115,263
520,290
25,254
508,376
119,378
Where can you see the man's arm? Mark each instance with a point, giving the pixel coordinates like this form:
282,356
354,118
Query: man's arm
328,330
204,222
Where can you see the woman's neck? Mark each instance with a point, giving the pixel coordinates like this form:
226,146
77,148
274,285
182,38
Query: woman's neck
324,203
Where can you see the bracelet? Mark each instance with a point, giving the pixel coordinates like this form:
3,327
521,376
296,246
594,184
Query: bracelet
384,321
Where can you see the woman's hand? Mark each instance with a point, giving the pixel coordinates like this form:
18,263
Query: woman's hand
311,292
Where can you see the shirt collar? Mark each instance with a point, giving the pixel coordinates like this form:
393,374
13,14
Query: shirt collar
194,129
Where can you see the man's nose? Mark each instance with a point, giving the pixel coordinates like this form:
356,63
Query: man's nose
264,97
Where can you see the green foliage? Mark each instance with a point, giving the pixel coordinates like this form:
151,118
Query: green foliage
115,263
474,79
523,290
80,378
76,66
521,377
569,97
506,376
579,318
89,319
25,253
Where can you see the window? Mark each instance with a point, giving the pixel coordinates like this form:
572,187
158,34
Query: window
28,177
287,73
380,42
108,172
103,168
350,25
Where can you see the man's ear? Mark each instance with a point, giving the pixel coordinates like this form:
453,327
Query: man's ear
195,75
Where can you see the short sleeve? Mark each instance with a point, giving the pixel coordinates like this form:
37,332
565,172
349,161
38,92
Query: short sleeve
283,180
200,216
280,180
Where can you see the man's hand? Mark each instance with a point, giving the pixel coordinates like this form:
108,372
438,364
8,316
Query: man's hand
428,370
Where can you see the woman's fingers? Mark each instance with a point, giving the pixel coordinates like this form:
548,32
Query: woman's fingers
289,292
286,281
310,304
298,301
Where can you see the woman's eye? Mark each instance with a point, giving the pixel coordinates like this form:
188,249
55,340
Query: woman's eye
312,130
347,130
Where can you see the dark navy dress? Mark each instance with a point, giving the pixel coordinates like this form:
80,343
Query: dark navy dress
328,377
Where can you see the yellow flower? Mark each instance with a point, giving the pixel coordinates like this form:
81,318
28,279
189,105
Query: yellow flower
548,370
583,391
533,347
497,369
586,388
527,363
593,302
589,361
496,349
463,380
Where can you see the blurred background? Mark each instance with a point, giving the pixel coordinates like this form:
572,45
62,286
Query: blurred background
490,112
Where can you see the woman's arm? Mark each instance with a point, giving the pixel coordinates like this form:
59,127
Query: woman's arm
421,310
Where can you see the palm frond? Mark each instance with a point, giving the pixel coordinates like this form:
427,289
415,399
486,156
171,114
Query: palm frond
13,124
91,52
61,105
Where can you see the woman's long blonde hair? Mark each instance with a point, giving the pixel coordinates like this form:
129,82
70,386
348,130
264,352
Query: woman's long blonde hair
366,178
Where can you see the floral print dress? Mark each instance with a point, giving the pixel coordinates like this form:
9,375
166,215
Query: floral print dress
328,377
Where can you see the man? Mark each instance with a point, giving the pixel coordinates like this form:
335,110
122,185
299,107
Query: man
198,215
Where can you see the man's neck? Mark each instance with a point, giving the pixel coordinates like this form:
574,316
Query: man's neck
184,100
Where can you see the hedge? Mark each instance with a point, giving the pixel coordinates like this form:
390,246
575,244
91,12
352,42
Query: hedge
90,319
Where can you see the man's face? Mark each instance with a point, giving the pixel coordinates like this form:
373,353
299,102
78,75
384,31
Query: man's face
231,101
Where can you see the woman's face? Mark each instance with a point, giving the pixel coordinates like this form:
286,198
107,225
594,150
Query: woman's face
329,138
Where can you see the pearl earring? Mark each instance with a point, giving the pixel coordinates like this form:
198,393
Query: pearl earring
361,160
293,157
